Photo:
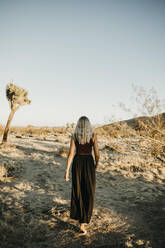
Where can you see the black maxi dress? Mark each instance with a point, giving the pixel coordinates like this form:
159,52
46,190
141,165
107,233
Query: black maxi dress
83,183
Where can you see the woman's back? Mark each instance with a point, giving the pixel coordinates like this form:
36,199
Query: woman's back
84,149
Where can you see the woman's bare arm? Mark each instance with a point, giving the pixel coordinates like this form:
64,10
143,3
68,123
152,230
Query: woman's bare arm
96,150
69,158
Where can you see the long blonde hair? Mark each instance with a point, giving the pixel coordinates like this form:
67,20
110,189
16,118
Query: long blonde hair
83,131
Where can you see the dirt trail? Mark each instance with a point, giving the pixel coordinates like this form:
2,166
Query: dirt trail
129,204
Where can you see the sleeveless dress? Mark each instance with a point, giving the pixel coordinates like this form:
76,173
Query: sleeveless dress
83,183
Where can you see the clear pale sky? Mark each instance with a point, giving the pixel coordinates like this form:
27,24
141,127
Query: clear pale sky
79,57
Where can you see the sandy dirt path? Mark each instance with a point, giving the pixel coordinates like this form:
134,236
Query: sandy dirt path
35,199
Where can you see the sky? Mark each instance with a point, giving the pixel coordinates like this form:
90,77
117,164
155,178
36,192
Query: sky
79,57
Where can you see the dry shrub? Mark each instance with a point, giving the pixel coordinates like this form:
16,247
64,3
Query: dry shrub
157,150
114,148
117,129
6,170
31,130
7,147
153,127
3,170
147,104
63,151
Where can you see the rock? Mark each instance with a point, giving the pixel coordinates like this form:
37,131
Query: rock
18,136
140,242
162,171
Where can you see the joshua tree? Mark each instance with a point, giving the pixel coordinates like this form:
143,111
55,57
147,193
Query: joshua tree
17,97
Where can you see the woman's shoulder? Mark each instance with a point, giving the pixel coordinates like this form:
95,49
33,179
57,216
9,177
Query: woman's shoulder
73,137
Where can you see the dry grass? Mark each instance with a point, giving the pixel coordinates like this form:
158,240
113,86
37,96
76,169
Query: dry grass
117,129
6,171
35,131
63,151
150,126
146,104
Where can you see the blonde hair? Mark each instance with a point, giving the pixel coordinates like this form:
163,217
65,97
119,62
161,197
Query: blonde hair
83,131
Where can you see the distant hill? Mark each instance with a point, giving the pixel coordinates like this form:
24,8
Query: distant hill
146,120
143,124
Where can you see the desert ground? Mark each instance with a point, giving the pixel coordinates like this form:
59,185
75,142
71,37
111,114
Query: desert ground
129,209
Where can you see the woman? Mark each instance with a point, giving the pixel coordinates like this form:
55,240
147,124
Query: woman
83,171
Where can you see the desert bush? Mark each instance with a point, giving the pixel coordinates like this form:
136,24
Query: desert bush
6,170
117,129
35,131
3,170
149,107
63,151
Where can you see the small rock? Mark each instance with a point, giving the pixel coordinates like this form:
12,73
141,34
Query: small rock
18,136
140,242
128,244
162,171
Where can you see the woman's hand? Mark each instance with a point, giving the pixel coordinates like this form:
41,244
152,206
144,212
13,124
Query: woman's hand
67,176
96,151
96,165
